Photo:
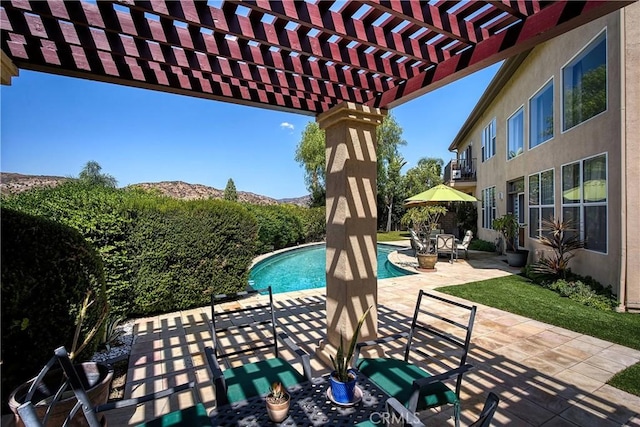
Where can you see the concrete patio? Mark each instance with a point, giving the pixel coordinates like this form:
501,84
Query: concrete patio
544,375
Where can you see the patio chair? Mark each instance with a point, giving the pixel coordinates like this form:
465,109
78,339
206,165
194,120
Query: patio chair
490,406
241,331
78,383
440,332
446,244
465,244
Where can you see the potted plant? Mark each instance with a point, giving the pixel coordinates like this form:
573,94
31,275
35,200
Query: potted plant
343,378
508,226
423,219
278,401
96,377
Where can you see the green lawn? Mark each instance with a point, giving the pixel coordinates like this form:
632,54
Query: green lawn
392,236
518,295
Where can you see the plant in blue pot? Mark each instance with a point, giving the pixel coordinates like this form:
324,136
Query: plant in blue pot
343,378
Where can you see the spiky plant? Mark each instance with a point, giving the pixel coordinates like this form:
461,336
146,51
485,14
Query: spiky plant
563,239
277,393
342,360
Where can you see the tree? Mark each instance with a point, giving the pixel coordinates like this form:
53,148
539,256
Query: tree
310,153
230,192
390,163
426,174
91,175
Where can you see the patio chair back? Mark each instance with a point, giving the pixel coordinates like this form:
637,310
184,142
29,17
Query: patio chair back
490,406
243,332
438,341
63,409
468,236
416,244
446,244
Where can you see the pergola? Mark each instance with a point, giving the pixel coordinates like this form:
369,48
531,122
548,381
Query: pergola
346,62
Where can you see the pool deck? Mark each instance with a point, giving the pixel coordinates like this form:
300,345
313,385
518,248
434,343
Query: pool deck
544,375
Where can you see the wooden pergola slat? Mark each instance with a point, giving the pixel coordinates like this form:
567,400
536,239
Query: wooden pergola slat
302,56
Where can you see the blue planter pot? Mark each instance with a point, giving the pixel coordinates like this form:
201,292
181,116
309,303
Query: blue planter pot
343,392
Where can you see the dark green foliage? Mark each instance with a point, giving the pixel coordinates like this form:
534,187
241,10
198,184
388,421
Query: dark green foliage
278,227
99,214
482,245
584,294
230,192
313,220
47,269
467,217
183,250
91,175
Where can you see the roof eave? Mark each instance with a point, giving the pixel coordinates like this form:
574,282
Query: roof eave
498,82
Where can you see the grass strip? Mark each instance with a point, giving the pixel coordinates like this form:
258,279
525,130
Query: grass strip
392,236
518,295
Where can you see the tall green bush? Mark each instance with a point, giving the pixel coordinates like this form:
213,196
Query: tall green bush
313,221
47,268
184,250
97,213
278,227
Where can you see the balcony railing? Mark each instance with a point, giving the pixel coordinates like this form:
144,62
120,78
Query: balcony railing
460,170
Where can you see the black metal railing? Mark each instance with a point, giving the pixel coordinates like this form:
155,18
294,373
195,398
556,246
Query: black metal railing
460,170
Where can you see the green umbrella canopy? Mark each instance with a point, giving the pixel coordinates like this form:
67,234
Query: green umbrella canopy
439,193
594,190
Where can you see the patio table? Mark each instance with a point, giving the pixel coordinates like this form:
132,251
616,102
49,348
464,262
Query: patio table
309,407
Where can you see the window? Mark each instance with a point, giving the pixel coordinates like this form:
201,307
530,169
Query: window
584,84
584,200
515,134
541,116
488,207
489,141
541,201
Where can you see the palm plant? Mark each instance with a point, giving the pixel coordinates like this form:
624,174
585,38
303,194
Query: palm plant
563,239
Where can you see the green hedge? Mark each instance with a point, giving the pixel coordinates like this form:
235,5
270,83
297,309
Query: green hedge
47,269
183,250
278,227
97,213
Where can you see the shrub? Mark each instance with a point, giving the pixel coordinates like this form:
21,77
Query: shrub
47,269
564,240
482,245
278,227
97,213
582,293
183,250
313,221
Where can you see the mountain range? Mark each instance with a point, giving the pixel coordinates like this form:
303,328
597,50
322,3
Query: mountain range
13,183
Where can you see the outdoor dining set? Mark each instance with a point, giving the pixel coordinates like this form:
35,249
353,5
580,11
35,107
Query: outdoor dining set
249,353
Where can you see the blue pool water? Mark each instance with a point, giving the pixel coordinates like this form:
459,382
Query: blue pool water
304,268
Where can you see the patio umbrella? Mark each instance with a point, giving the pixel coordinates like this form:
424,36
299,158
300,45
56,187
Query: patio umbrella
594,190
439,193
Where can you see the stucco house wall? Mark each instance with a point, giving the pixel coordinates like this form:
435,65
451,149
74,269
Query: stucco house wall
613,132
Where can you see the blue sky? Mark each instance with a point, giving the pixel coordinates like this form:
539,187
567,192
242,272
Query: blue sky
52,125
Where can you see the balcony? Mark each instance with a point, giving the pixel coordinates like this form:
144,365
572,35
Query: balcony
461,174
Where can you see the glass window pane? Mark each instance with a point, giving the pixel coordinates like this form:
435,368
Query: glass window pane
594,179
546,214
572,214
534,190
571,183
546,188
541,116
515,134
584,84
595,228
534,222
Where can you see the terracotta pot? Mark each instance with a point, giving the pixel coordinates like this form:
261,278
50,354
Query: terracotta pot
278,411
427,261
96,378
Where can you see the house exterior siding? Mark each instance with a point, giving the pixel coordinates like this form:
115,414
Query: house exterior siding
614,133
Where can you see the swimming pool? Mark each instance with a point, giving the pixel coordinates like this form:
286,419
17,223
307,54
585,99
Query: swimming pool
304,268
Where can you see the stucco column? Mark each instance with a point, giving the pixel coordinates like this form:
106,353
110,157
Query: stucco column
351,269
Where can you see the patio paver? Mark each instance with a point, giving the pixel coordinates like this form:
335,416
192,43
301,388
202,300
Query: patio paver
544,375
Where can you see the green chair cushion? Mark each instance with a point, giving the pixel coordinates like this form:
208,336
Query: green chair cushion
195,416
396,377
254,379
